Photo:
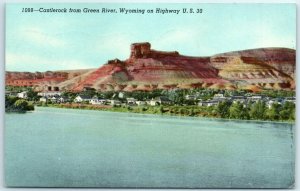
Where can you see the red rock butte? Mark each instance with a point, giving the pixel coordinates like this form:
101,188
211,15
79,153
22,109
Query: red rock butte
148,69
143,50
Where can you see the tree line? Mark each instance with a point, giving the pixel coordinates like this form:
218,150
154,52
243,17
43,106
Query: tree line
257,111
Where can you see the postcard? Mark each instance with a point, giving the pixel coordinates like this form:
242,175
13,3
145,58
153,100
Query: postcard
156,95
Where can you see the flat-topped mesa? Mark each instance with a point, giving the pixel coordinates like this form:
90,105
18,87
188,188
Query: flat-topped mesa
143,50
148,69
140,50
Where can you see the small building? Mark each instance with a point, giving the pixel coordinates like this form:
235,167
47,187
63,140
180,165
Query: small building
23,95
49,93
44,99
209,103
63,99
54,99
161,100
190,97
131,101
219,96
121,95
94,100
290,99
82,98
256,98
103,101
141,103
148,101
241,99
115,102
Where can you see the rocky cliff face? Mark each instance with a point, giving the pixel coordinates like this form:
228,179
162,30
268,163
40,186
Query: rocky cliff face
40,80
34,79
270,68
148,69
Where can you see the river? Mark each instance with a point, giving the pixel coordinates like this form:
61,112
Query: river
53,147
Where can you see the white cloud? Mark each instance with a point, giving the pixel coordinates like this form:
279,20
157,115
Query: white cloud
26,62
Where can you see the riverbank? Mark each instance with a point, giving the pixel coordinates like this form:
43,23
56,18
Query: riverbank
189,111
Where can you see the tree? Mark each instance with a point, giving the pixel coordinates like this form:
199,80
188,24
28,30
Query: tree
257,110
237,111
32,95
288,111
70,95
10,100
273,112
107,95
223,109
89,92
21,105
176,96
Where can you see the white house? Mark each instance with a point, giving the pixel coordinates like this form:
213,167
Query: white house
23,95
131,101
95,101
121,95
219,96
82,98
209,103
190,97
256,98
43,99
115,102
54,99
49,94
141,103
103,101
290,99
63,99
153,102
240,99
162,100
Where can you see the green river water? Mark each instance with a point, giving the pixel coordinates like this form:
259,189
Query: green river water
52,147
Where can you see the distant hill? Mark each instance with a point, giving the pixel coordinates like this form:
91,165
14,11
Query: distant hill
148,69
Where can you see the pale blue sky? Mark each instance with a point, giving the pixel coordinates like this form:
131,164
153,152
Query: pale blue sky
46,41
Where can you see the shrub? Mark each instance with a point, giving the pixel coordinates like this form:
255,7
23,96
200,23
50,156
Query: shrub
21,104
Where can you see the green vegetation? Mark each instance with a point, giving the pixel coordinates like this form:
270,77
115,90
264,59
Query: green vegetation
259,111
31,94
14,104
223,109
238,111
181,105
256,111
278,93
